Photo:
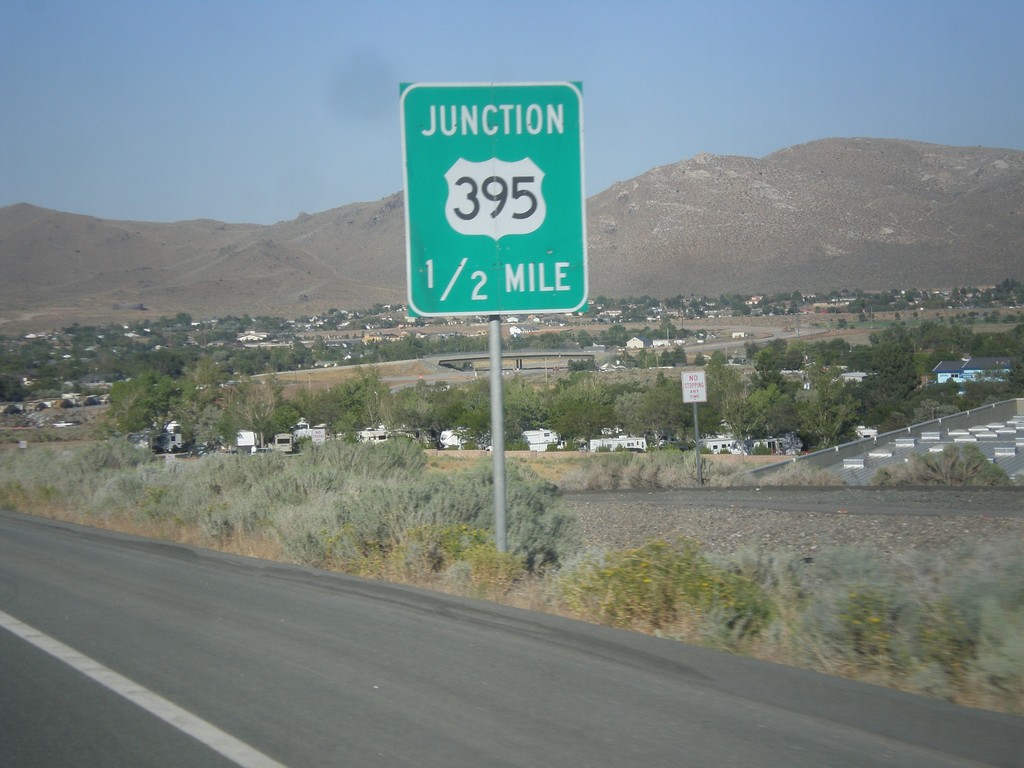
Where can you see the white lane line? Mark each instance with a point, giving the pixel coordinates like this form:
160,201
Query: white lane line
227,745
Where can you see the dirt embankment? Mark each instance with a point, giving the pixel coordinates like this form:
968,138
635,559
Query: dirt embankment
803,520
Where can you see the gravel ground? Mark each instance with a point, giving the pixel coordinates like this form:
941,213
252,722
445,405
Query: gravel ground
802,520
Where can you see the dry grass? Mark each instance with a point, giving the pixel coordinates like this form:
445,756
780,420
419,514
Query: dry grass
556,467
551,466
246,545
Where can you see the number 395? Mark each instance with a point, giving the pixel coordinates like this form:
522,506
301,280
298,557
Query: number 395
498,191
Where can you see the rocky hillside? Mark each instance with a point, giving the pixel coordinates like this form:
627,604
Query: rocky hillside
69,266
855,213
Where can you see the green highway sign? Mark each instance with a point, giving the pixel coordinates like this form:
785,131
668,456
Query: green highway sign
494,198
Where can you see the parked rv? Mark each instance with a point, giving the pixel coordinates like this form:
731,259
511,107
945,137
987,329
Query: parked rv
378,435
620,443
169,440
542,439
284,442
248,441
317,435
451,438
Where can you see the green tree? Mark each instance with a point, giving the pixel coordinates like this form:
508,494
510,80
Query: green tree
892,362
204,427
581,407
727,392
203,381
411,407
353,404
828,413
770,413
252,404
655,410
11,388
630,413
768,367
474,416
525,407
144,402
1015,380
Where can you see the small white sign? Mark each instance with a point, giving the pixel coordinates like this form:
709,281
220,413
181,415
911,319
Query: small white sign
695,387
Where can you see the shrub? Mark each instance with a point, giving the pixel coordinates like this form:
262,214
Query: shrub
620,469
422,552
795,473
110,454
944,638
659,585
51,481
492,573
998,669
852,610
944,623
956,465
375,523
868,618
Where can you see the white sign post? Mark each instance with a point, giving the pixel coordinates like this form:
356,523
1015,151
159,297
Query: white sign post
695,390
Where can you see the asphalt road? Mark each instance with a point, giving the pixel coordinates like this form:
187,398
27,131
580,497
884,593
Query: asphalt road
304,668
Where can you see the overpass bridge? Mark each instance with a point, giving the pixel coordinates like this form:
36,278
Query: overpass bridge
518,359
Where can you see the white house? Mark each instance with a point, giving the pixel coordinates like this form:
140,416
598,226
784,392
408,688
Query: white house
853,376
973,369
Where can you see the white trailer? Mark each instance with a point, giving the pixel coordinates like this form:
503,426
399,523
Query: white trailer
540,439
284,442
169,440
378,435
247,441
451,438
620,443
721,444
317,434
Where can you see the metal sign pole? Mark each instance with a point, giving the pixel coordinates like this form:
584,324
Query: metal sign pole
497,432
696,441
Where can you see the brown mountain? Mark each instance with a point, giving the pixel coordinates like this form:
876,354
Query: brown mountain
64,267
854,213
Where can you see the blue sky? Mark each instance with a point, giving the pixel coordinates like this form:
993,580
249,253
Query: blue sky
255,111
